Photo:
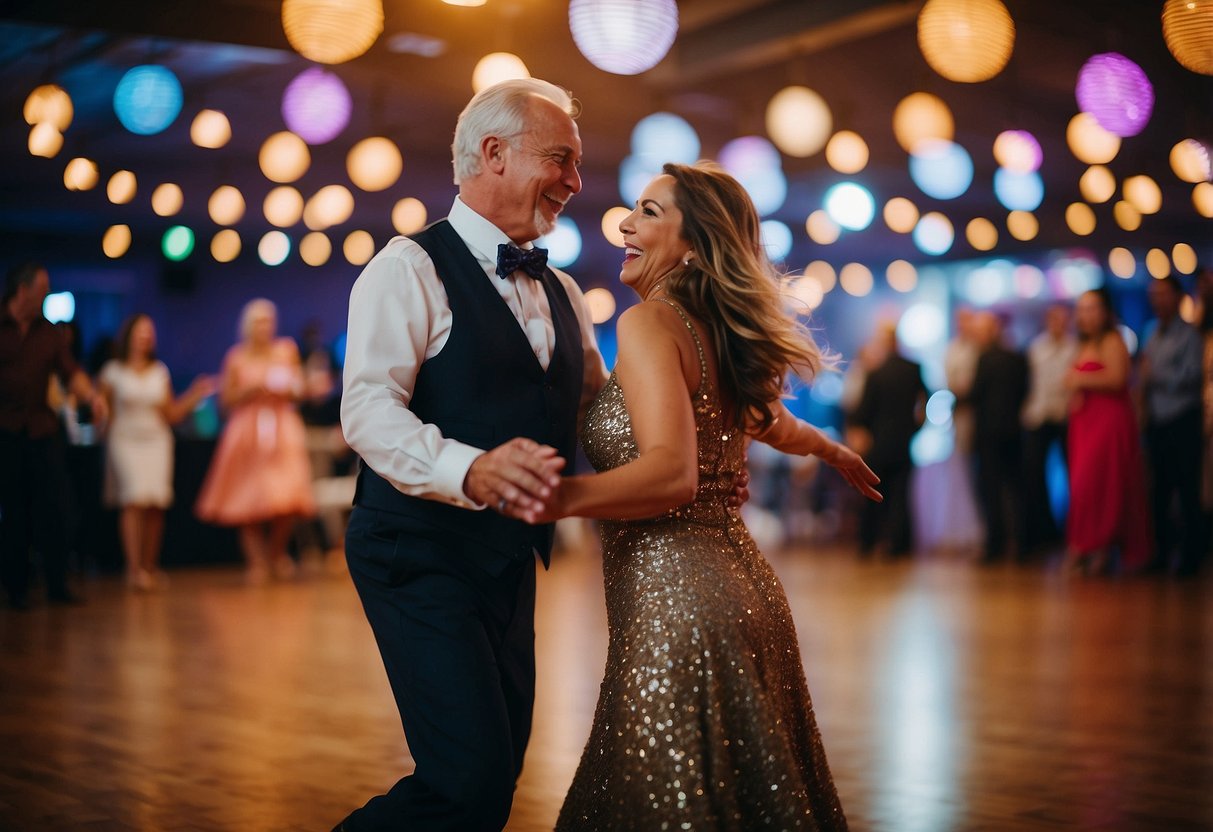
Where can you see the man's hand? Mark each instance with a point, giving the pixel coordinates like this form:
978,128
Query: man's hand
741,487
515,477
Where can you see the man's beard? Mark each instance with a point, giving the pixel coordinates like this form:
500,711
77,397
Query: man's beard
543,224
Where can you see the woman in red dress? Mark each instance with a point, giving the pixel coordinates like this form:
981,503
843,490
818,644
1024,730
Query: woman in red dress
1107,478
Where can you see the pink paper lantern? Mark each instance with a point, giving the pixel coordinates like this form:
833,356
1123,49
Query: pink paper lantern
316,106
1116,92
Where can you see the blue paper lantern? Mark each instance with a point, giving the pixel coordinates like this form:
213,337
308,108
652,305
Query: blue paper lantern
148,99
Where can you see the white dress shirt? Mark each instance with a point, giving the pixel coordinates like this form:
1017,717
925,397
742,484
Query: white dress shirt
400,317
1050,360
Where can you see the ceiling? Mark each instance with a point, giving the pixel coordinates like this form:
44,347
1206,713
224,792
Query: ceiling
729,58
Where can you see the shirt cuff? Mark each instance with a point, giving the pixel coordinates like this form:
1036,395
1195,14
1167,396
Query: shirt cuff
451,469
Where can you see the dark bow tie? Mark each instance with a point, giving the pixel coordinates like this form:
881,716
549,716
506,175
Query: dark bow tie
511,258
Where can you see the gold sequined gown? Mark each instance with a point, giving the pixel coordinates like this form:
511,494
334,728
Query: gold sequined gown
704,720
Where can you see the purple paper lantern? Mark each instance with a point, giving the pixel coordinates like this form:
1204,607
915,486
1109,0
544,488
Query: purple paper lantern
316,106
1116,92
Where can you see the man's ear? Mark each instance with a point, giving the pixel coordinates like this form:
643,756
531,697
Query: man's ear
492,154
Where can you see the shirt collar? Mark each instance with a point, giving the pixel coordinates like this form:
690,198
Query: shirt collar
481,236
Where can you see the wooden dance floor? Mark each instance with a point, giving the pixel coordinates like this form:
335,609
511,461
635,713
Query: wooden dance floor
951,697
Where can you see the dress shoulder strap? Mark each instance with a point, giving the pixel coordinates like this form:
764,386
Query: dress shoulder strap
703,363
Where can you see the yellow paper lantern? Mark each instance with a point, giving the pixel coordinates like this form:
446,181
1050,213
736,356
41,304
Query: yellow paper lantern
45,140
1202,199
901,276
1143,193
283,206
329,206
610,225
49,104
332,31
1080,218
1187,27
80,174
1126,216
408,215
601,303
900,215
1122,263
167,199
497,67
315,249
374,164
284,157
225,246
823,273
1190,161
116,241
966,40
210,129
798,121
1023,225
981,234
226,205
1089,142
920,116
359,247
803,294
847,152
1158,264
821,228
121,187
855,279
1097,184
1184,258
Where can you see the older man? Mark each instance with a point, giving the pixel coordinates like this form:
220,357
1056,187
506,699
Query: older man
461,339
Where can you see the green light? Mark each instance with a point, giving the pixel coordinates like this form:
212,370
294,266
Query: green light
178,243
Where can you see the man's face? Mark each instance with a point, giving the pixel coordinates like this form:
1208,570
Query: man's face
1057,321
1163,299
541,173
32,296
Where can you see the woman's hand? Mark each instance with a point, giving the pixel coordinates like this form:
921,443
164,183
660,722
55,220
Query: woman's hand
853,469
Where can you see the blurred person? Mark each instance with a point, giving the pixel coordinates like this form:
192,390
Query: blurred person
260,479
1000,386
32,481
1171,375
1050,357
1107,478
890,412
960,367
702,364
139,444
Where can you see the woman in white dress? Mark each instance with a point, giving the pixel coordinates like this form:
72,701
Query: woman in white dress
139,443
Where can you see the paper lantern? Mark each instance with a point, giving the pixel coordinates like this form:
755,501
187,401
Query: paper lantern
1143,193
804,294
210,129
331,205
1122,263
283,206
798,120
1097,184
1184,258
966,40
823,273
847,152
933,233
1190,161
49,104
756,164
981,234
625,37
45,140
315,249
776,240
121,187
226,205
332,31
316,105
1022,225
901,276
900,215
1202,199
167,199
563,243
116,241
941,169
374,164
1158,264
1126,216
920,116
1019,191
1089,142
408,215
821,228
1018,151
497,67
610,225
850,205
80,174
359,247
1080,218
225,246
284,157
148,99
601,304
177,243
1187,27
274,248
1116,92
666,137
855,279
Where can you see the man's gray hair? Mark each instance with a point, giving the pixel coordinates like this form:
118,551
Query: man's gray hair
500,111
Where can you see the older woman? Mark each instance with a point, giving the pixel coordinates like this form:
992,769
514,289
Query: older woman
260,477
704,719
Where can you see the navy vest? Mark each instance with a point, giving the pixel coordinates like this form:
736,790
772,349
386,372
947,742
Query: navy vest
483,388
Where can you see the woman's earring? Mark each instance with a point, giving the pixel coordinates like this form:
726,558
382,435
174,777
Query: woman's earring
686,261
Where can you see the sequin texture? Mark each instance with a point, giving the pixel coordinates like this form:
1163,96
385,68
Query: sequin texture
704,720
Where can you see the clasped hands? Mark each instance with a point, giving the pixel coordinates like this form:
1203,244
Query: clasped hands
521,479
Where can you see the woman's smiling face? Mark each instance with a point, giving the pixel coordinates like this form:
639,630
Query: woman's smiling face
652,235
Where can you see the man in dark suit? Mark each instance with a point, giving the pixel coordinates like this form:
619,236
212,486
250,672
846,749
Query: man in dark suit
890,412
1000,387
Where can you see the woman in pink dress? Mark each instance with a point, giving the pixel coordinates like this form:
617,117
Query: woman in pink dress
260,478
1107,478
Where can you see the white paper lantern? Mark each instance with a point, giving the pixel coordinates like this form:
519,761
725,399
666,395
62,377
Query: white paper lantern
625,37
798,121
